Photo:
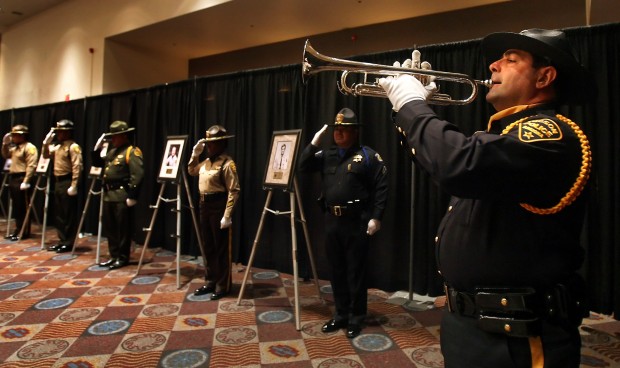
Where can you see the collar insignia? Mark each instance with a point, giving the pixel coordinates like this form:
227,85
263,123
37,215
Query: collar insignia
357,158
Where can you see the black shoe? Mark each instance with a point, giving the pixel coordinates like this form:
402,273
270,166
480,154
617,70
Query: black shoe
118,264
334,325
16,238
64,248
53,248
218,295
10,236
353,330
205,289
107,263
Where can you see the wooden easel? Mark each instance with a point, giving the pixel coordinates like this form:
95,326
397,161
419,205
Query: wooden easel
294,199
160,199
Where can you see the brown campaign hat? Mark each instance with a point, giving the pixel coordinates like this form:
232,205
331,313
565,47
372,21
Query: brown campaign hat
216,133
119,127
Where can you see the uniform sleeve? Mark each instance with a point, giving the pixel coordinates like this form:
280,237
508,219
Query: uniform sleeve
309,161
75,153
31,161
136,173
6,150
193,166
232,187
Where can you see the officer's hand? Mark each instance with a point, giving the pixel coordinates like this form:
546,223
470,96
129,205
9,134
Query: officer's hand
7,138
225,222
198,148
316,140
130,202
405,88
24,186
99,143
72,191
373,226
49,137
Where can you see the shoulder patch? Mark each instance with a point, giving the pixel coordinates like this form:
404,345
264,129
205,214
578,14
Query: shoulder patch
76,148
539,130
232,166
137,152
32,150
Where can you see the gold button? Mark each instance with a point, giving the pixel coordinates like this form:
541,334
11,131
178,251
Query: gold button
413,151
436,239
504,302
449,208
507,327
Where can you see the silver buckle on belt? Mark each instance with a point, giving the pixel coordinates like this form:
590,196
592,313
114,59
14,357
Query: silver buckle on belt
337,211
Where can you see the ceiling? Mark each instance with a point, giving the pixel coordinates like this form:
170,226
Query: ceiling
240,24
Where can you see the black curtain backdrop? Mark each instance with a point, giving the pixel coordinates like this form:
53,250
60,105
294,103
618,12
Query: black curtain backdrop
254,104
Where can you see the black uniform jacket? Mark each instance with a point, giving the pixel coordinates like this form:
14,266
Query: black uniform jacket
487,238
360,174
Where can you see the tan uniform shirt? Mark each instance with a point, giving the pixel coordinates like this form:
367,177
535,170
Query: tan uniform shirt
67,159
23,158
217,176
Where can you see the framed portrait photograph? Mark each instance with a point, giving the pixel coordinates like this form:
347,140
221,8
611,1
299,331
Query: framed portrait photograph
42,165
173,158
281,163
7,165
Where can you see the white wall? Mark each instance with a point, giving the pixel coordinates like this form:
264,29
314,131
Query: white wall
45,58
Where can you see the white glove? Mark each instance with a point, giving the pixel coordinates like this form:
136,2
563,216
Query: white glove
130,202
99,143
405,88
6,139
24,186
225,222
373,226
72,191
198,148
316,140
49,137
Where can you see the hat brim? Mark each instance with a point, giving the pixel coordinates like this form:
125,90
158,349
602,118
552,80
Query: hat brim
218,138
578,81
109,134
54,129
345,124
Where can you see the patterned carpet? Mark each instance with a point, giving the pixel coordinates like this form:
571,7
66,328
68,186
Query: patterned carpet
59,310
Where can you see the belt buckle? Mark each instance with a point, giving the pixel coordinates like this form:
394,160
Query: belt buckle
337,211
446,290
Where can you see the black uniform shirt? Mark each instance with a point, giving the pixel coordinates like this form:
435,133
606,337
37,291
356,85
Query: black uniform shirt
486,237
358,173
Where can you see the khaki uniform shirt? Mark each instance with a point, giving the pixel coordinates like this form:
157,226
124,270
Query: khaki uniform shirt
217,176
67,159
23,158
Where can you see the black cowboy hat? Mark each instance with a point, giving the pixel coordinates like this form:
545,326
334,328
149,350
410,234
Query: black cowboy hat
119,127
345,117
216,133
574,81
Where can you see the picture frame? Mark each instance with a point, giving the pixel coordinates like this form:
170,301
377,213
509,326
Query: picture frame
7,165
96,171
173,158
42,165
280,168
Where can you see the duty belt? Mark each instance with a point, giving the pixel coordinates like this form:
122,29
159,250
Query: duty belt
512,311
63,177
211,197
113,186
350,208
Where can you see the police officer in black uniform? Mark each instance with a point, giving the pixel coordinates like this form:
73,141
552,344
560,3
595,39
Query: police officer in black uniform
67,156
23,155
508,246
121,181
354,195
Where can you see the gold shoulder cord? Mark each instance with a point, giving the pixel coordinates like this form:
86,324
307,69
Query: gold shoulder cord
582,178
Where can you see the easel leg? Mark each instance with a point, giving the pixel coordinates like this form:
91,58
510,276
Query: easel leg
150,228
295,268
253,253
84,211
30,204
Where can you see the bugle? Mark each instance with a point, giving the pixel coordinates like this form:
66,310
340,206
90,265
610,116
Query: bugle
313,62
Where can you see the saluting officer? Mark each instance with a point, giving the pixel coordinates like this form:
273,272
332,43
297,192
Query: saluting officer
67,156
219,189
354,198
23,155
121,181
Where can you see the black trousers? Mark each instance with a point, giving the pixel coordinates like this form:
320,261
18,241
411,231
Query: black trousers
346,247
216,244
21,201
65,212
117,221
464,345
